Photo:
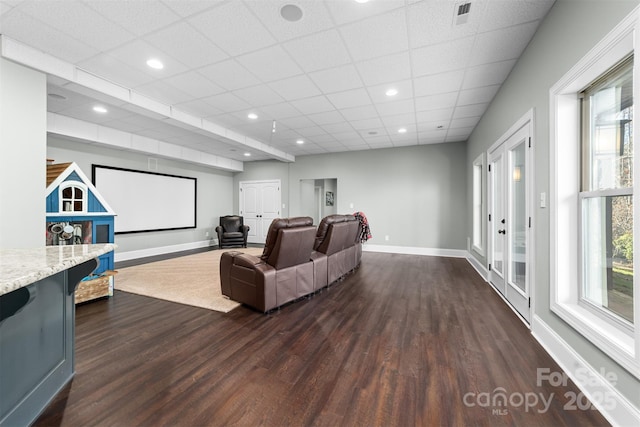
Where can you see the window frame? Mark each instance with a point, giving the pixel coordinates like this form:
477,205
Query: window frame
479,223
611,337
73,185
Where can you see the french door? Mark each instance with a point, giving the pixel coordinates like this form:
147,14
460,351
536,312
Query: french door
259,204
510,220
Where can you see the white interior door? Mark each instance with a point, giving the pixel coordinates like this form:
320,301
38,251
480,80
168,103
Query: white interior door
259,205
509,219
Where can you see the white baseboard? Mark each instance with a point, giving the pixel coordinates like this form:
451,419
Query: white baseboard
481,269
408,250
161,250
605,397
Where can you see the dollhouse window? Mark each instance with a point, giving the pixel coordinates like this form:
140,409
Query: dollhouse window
73,197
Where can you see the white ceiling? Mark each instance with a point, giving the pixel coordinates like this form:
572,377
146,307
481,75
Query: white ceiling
322,79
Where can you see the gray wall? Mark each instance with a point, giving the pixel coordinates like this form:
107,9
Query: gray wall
214,191
415,195
569,31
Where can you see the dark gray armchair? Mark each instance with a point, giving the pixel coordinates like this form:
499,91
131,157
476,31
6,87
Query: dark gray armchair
232,232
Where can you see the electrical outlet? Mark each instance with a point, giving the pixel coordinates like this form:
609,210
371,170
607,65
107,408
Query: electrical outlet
206,234
386,238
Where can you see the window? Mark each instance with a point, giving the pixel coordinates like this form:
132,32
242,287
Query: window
73,197
592,218
478,205
606,198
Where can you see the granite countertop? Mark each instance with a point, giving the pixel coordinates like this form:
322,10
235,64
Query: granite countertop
21,267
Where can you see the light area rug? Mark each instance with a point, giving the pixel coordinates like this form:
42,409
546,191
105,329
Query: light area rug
191,279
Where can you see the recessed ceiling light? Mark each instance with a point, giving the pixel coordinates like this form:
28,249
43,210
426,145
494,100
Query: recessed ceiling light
402,130
391,92
300,142
291,12
362,1
252,116
155,64
247,154
99,109
440,127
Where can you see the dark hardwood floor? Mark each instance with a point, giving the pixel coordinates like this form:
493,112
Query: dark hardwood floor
404,341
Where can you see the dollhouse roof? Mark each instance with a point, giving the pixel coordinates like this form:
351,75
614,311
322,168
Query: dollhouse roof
61,172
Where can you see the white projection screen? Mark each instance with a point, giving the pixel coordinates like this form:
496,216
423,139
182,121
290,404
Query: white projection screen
146,201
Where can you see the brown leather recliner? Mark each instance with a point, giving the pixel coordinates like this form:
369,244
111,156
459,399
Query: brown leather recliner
337,250
283,273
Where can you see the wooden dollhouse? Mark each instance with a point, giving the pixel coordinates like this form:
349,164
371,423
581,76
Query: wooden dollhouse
78,214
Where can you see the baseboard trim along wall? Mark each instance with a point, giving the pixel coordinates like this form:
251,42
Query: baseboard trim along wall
595,385
481,269
161,250
408,250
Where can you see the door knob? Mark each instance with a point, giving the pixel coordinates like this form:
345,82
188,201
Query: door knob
502,231
503,221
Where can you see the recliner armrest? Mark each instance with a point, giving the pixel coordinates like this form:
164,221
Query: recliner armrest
246,260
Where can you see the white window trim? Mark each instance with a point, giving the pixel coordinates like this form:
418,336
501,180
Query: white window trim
480,161
565,188
85,199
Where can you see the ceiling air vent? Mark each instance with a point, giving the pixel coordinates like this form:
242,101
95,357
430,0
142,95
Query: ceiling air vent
462,11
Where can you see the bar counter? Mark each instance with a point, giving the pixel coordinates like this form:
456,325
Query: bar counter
37,323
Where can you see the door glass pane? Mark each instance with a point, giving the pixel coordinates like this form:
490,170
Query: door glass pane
498,221
518,219
608,253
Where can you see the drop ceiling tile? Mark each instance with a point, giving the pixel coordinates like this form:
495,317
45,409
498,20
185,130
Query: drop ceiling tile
279,111
349,11
500,14
359,113
378,93
367,124
436,102
88,25
325,139
138,52
186,8
138,17
487,74
315,18
432,22
442,115
428,140
377,36
350,98
297,122
115,70
478,95
469,110
258,95
337,128
395,107
464,122
227,102
59,44
233,28
194,84
378,141
337,79
443,57
229,74
315,104
311,131
432,135
386,69
326,118
438,83
184,43
398,121
503,44
272,63
318,51
435,127
295,88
